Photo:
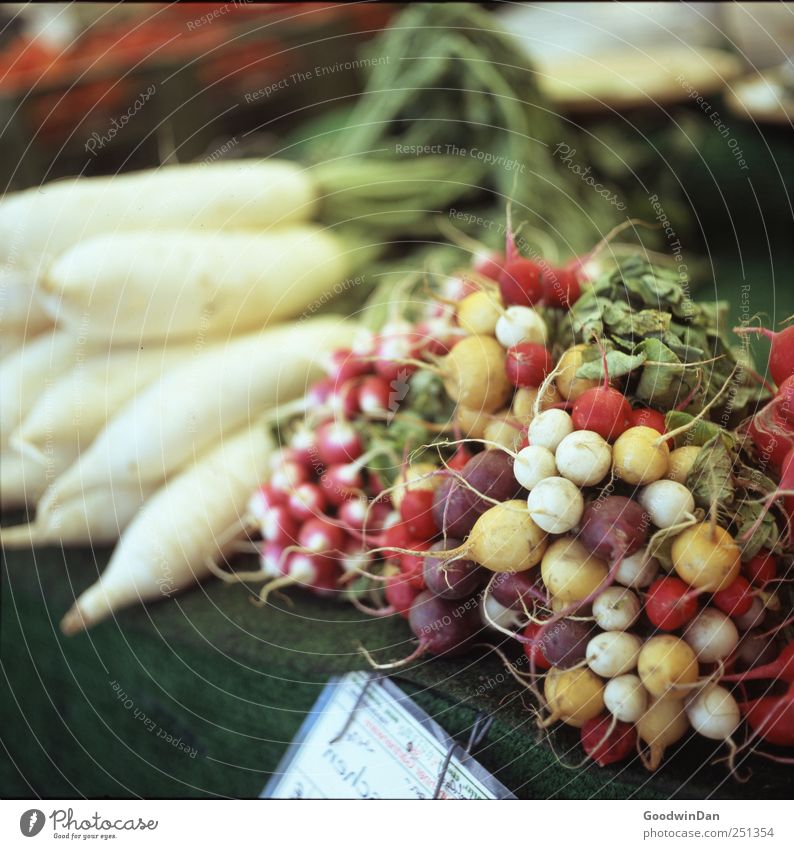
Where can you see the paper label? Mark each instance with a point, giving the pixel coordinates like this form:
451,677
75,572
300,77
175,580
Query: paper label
387,748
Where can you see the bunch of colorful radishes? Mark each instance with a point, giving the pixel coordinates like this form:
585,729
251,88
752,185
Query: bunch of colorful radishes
549,470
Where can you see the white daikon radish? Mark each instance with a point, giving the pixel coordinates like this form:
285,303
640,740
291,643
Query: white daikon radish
74,409
175,419
177,284
25,373
23,480
96,517
20,311
39,223
187,523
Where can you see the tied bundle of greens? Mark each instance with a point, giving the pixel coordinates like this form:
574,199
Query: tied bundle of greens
446,85
674,350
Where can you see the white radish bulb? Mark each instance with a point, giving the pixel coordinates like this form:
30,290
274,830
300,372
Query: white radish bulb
504,617
520,324
549,428
625,698
711,635
638,570
555,505
583,457
713,712
667,503
613,653
532,465
754,616
616,609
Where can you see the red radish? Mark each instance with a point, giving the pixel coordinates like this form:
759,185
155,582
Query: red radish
607,741
646,417
355,558
416,510
602,409
400,594
489,265
320,536
527,364
784,401
442,627
561,287
771,436
306,501
780,669
342,365
263,499
533,647
272,559
316,572
781,355
761,569
344,400
670,603
303,444
521,282
412,566
398,536
288,475
356,513
374,395
279,525
319,393
284,455
396,343
437,336
459,459
341,482
736,599
772,717
338,442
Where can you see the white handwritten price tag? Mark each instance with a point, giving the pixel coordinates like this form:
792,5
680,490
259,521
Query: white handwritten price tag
371,741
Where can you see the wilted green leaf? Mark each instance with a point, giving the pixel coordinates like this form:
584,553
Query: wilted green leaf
618,364
699,434
766,534
663,382
710,479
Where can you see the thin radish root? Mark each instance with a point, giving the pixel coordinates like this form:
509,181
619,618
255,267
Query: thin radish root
397,664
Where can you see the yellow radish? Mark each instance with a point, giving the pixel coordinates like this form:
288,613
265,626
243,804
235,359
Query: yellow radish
570,571
666,666
706,557
474,374
568,384
638,457
663,724
573,695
